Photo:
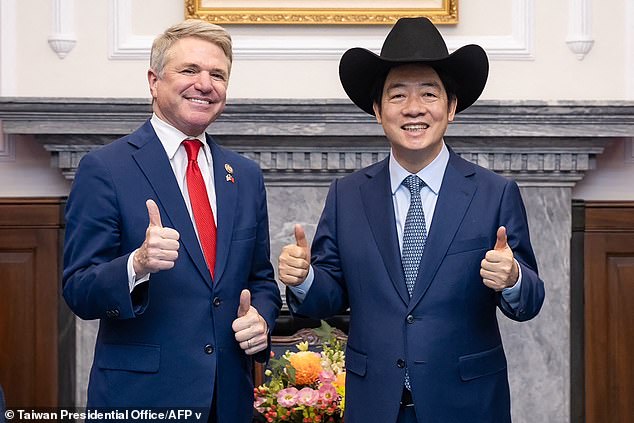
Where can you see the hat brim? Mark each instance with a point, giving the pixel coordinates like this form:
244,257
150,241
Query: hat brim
468,66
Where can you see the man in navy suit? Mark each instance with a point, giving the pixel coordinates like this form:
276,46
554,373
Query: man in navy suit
167,244
422,247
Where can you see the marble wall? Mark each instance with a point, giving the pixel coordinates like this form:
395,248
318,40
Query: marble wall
302,145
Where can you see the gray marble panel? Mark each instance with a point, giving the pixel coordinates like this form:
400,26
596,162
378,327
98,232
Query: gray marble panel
538,351
84,353
289,205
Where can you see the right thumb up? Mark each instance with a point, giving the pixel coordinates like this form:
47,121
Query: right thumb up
294,260
153,213
300,237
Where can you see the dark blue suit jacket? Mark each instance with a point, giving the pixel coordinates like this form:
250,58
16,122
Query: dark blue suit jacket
447,333
170,343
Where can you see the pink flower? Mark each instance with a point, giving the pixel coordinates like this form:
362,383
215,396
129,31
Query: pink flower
308,396
327,376
327,393
257,403
287,397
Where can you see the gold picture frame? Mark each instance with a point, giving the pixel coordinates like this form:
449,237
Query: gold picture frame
243,12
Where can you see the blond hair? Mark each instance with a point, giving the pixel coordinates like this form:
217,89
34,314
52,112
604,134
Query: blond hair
190,28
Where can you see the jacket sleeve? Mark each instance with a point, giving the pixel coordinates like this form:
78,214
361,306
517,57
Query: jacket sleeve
327,295
513,217
95,279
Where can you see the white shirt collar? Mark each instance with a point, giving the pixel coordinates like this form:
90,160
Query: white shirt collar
171,138
432,174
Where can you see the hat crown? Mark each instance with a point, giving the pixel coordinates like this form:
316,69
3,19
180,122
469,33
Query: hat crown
404,41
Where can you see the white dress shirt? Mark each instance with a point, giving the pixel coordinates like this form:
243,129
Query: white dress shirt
432,175
172,139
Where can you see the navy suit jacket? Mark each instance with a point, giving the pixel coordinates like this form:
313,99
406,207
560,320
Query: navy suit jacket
447,333
170,343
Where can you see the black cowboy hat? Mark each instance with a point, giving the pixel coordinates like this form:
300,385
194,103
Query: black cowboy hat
414,40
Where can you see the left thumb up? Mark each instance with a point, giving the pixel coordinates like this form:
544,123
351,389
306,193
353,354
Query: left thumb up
501,242
245,303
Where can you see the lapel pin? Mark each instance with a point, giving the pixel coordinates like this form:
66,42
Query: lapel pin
230,178
228,168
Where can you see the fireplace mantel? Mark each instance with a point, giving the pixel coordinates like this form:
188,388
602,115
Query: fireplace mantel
536,143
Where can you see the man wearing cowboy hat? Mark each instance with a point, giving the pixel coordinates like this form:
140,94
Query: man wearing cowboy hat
422,247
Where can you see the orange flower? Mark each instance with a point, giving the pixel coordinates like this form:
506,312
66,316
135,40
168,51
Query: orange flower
307,365
341,380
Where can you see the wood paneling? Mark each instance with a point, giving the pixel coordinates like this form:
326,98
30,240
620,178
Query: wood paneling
30,238
609,312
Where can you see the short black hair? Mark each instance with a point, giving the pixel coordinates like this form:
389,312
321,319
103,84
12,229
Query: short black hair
450,85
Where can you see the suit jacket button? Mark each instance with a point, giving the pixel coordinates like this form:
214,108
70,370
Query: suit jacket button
216,301
410,319
115,312
400,363
209,349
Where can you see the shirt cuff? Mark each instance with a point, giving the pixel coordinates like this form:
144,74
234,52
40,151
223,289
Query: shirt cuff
300,291
132,281
512,295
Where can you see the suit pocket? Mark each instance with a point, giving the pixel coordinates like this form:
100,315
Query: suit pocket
130,357
243,234
465,245
484,363
356,362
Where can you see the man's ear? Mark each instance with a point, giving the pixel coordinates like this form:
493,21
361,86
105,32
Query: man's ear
377,111
452,109
152,79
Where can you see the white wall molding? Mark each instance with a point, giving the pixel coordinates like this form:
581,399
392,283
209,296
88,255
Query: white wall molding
313,45
7,47
629,50
579,38
62,39
122,43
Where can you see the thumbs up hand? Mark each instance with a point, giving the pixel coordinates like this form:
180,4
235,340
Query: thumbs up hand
251,330
159,251
294,260
499,268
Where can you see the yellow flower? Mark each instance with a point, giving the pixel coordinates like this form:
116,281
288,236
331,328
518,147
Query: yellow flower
341,381
307,365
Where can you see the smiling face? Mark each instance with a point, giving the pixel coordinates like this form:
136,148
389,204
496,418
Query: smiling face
191,91
414,113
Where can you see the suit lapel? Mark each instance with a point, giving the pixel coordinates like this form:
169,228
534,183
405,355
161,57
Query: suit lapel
226,203
456,192
376,195
154,163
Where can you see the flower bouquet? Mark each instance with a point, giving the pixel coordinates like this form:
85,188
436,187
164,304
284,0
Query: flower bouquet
305,386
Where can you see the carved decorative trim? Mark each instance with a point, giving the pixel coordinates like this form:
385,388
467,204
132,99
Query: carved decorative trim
526,165
313,45
580,27
447,13
7,148
62,40
122,43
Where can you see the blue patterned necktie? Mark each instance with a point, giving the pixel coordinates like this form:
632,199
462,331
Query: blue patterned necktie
414,232
414,238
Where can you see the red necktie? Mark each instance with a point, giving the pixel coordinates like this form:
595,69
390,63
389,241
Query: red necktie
203,215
